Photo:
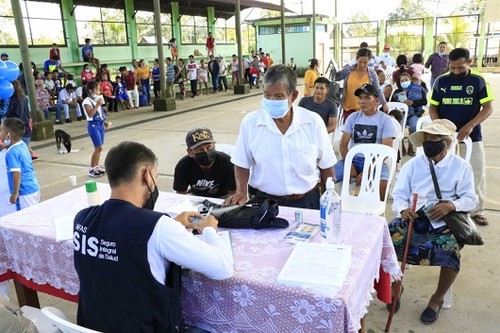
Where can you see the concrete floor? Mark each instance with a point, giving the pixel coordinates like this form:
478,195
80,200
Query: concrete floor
476,293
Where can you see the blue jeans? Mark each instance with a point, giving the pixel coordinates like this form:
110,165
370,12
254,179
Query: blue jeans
412,122
215,82
358,161
146,89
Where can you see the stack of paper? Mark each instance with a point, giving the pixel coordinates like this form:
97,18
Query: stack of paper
317,264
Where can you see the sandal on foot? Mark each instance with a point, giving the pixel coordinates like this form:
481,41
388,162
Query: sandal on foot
429,316
480,220
398,303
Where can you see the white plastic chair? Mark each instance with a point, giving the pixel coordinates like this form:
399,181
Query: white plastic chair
225,148
367,201
455,148
423,120
420,122
401,107
42,323
63,324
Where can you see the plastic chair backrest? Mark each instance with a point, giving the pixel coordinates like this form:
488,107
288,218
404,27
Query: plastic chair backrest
401,107
375,155
399,134
420,122
41,321
225,148
64,325
455,148
423,120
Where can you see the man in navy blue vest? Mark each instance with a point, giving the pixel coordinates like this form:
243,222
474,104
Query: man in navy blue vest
127,255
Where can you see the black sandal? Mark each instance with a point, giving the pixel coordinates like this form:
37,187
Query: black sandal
398,303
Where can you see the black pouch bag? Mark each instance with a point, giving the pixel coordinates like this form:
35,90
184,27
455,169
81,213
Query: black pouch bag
262,213
460,223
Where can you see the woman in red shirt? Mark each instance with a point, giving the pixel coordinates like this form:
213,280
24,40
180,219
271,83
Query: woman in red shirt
107,91
87,75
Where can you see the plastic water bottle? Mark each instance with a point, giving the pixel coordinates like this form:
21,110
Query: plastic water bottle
92,193
330,214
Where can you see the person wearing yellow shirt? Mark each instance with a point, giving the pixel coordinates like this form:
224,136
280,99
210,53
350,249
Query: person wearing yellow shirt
143,72
311,76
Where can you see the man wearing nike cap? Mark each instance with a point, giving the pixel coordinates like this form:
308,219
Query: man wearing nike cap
204,171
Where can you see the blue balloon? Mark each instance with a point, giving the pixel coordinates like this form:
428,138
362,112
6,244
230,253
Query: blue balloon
6,89
3,69
12,72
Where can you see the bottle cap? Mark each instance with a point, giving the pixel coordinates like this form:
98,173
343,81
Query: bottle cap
329,183
90,186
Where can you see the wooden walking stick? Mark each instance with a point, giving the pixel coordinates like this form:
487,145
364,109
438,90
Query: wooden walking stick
403,264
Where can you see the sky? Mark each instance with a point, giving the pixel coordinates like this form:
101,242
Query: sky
375,10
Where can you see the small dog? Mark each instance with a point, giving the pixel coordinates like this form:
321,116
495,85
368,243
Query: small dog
63,137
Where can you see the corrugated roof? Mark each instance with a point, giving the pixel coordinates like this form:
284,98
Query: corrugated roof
223,8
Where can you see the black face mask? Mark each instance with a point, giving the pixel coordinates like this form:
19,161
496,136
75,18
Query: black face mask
433,148
461,75
206,158
150,202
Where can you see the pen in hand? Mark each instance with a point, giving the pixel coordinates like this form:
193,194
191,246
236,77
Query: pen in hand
209,211
196,220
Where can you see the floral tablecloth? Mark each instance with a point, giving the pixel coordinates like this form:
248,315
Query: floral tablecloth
251,301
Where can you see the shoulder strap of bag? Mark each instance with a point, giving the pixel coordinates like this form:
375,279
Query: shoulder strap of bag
434,180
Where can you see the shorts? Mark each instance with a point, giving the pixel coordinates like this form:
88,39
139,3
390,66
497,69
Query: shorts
87,59
358,161
203,78
123,97
96,132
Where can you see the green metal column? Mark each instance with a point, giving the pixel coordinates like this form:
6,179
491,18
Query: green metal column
481,41
313,28
211,20
131,28
429,45
69,22
176,26
381,36
336,43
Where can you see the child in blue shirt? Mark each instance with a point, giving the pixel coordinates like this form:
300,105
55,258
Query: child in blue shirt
413,94
120,91
23,185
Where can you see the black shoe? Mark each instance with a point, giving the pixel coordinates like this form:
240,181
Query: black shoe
58,122
79,118
68,120
429,316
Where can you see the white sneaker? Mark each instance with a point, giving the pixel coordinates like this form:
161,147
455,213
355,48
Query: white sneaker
100,170
93,172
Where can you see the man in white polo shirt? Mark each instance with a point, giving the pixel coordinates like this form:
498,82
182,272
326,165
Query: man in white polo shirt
283,151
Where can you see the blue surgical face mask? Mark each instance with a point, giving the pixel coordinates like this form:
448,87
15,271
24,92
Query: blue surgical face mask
6,142
405,84
441,53
276,108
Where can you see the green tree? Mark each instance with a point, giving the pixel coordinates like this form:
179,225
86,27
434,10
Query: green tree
471,7
408,9
111,30
460,34
360,26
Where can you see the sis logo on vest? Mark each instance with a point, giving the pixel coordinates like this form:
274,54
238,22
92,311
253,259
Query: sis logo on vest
92,246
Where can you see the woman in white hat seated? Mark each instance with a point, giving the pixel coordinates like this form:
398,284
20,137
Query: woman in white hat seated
432,243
